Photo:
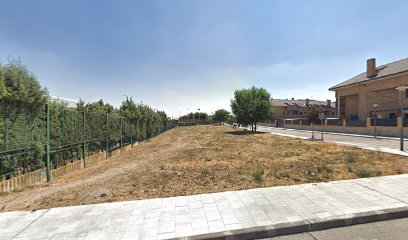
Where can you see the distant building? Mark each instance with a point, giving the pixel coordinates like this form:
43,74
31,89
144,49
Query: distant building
373,91
67,101
291,108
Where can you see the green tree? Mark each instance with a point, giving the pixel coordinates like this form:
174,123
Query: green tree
221,115
251,106
21,88
2,85
196,115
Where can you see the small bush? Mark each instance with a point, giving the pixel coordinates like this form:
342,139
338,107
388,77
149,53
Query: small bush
365,173
350,157
258,176
205,171
324,168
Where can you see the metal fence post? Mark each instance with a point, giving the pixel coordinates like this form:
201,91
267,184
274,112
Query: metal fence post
107,135
84,137
131,132
6,129
47,143
121,132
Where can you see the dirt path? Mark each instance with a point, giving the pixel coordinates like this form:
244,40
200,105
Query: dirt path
200,159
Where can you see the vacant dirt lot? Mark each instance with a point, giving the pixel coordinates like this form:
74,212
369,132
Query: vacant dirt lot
202,159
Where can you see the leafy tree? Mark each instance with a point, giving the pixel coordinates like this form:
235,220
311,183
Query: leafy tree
23,122
251,106
221,115
2,85
21,104
21,88
313,114
196,115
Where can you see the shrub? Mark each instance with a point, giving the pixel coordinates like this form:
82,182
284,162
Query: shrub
350,157
258,176
365,173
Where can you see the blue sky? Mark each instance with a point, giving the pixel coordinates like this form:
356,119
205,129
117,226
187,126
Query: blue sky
184,55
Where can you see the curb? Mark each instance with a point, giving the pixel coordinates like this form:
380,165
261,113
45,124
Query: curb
336,133
317,224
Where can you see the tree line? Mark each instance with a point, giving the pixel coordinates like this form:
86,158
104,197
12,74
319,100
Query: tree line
99,124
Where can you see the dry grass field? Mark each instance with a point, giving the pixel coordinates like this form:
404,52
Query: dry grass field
203,159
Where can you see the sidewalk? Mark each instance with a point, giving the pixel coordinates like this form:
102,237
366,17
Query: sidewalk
248,214
382,144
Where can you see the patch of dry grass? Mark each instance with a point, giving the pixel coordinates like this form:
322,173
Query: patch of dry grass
202,159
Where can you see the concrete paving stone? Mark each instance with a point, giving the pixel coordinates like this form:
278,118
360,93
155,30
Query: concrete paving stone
131,235
247,222
199,223
207,198
233,226
187,215
182,210
155,203
194,198
197,213
183,219
100,235
168,216
199,231
216,226
151,222
210,207
148,234
183,230
265,222
167,226
213,215
196,204
242,212
259,215
229,219
166,235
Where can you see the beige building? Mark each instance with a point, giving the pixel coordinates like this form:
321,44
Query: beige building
373,92
291,108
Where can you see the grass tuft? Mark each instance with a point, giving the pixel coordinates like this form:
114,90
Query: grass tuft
258,176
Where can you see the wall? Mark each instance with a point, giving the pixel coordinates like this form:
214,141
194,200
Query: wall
280,112
381,91
381,131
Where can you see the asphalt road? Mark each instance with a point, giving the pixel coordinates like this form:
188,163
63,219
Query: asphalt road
385,230
390,145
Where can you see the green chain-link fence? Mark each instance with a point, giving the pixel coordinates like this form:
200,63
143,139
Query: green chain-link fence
57,135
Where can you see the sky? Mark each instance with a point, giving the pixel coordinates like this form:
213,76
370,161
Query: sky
185,55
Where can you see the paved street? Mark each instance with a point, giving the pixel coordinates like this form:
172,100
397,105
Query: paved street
390,145
306,206
384,230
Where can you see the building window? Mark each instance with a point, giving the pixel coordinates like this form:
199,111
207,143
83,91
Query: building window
392,115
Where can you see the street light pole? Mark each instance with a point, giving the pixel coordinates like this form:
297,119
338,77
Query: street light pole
402,91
